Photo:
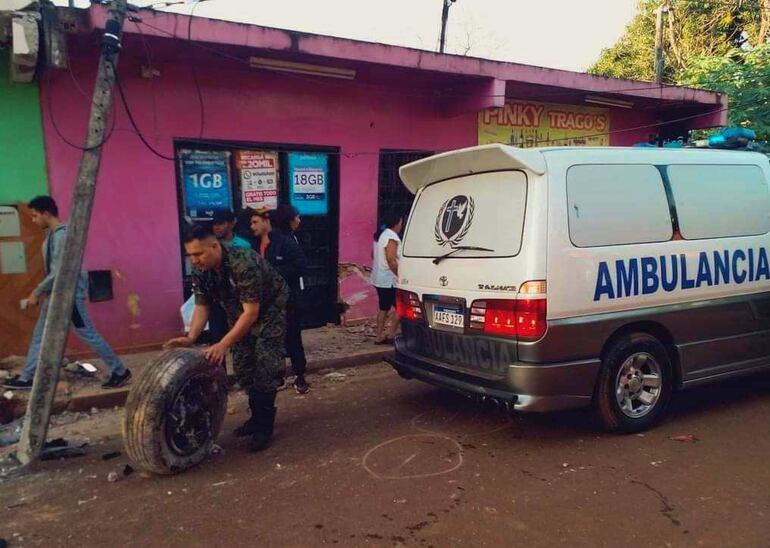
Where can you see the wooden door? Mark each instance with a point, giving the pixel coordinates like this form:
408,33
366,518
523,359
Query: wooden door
16,325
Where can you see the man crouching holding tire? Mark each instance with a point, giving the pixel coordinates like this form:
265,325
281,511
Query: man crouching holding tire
254,298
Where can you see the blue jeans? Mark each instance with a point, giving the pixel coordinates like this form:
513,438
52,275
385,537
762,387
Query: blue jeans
84,329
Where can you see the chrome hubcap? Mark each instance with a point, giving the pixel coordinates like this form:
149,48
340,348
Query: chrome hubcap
638,385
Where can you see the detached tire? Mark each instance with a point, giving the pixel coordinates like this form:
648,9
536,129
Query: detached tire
635,384
174,412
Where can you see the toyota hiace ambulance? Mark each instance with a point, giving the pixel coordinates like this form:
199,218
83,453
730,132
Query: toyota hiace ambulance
556,278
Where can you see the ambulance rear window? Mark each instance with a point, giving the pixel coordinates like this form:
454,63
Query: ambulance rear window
483,210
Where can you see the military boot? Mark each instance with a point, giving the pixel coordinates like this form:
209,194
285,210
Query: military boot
264,421
249,428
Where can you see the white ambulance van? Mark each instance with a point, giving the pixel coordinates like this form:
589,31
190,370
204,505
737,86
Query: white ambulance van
555,278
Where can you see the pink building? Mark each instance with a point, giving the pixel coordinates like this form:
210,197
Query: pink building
240,104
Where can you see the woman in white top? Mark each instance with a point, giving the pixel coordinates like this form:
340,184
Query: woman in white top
385,275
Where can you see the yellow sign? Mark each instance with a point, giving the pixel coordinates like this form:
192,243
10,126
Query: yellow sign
529,124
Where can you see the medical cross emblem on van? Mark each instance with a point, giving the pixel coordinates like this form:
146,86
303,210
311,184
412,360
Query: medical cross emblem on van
454,220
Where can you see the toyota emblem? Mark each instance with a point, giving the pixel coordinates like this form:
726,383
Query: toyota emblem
444,281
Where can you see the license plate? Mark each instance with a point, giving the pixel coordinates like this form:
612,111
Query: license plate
449,317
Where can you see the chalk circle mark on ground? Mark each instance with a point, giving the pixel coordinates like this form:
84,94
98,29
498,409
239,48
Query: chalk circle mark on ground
413,456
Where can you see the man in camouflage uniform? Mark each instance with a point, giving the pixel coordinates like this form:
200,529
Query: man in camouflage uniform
254,298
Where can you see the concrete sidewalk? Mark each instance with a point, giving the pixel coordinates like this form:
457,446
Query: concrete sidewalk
327,349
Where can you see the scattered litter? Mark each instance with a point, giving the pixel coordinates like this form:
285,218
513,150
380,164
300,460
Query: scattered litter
62,449
8,395
221,483
400,501
128,470
335,376
81,368
94,411
82,502
11,432
217,450
656,462
17,505
278,466
640,435
112,477
110,456
170,493
687,438
564,464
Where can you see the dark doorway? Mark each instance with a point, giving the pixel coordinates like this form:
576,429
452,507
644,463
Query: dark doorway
318,234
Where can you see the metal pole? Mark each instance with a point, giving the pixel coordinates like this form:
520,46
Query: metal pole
659,54
444,19
63,294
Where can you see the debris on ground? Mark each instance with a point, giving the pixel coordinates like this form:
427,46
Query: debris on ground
112,477
11,432
687,438
82,369
8,395
217,450
62,449
335,376
110,456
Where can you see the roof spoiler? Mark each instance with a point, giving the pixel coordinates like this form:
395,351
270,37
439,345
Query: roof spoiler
467,161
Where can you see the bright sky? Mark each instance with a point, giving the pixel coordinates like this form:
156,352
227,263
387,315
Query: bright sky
566,34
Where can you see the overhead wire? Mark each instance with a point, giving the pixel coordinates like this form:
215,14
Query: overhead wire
195,71
217,52
92,101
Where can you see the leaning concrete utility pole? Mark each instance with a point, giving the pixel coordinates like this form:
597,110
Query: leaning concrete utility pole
62,297
660,62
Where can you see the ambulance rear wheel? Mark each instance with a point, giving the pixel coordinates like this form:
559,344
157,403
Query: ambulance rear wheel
635,384
174,412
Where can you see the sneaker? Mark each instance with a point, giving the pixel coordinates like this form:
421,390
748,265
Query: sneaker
301,386
116,380
16,383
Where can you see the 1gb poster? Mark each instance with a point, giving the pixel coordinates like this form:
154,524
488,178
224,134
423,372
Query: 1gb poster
206,176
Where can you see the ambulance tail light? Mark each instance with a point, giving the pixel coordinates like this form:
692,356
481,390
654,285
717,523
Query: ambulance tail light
408,305
523,318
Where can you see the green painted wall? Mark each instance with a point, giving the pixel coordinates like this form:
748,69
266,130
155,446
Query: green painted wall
22,154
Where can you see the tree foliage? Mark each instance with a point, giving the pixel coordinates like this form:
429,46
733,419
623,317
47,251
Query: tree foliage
692,28
744,74
721,45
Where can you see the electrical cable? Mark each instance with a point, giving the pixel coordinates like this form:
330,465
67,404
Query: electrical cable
131,119
352,154
431,94
195,72
49,100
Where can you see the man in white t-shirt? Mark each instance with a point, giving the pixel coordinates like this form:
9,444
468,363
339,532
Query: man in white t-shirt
385,275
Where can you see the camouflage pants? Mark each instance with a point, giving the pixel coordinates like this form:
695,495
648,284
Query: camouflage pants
259,360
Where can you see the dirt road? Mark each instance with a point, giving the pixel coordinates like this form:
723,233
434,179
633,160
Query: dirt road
369,459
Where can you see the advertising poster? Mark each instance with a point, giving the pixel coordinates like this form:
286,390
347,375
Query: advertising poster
531,124
308,180
206,180
259,178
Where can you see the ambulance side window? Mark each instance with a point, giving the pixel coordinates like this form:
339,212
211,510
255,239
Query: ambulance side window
617,205
719,201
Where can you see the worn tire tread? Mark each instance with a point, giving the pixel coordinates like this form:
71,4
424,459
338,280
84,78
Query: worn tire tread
146,405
